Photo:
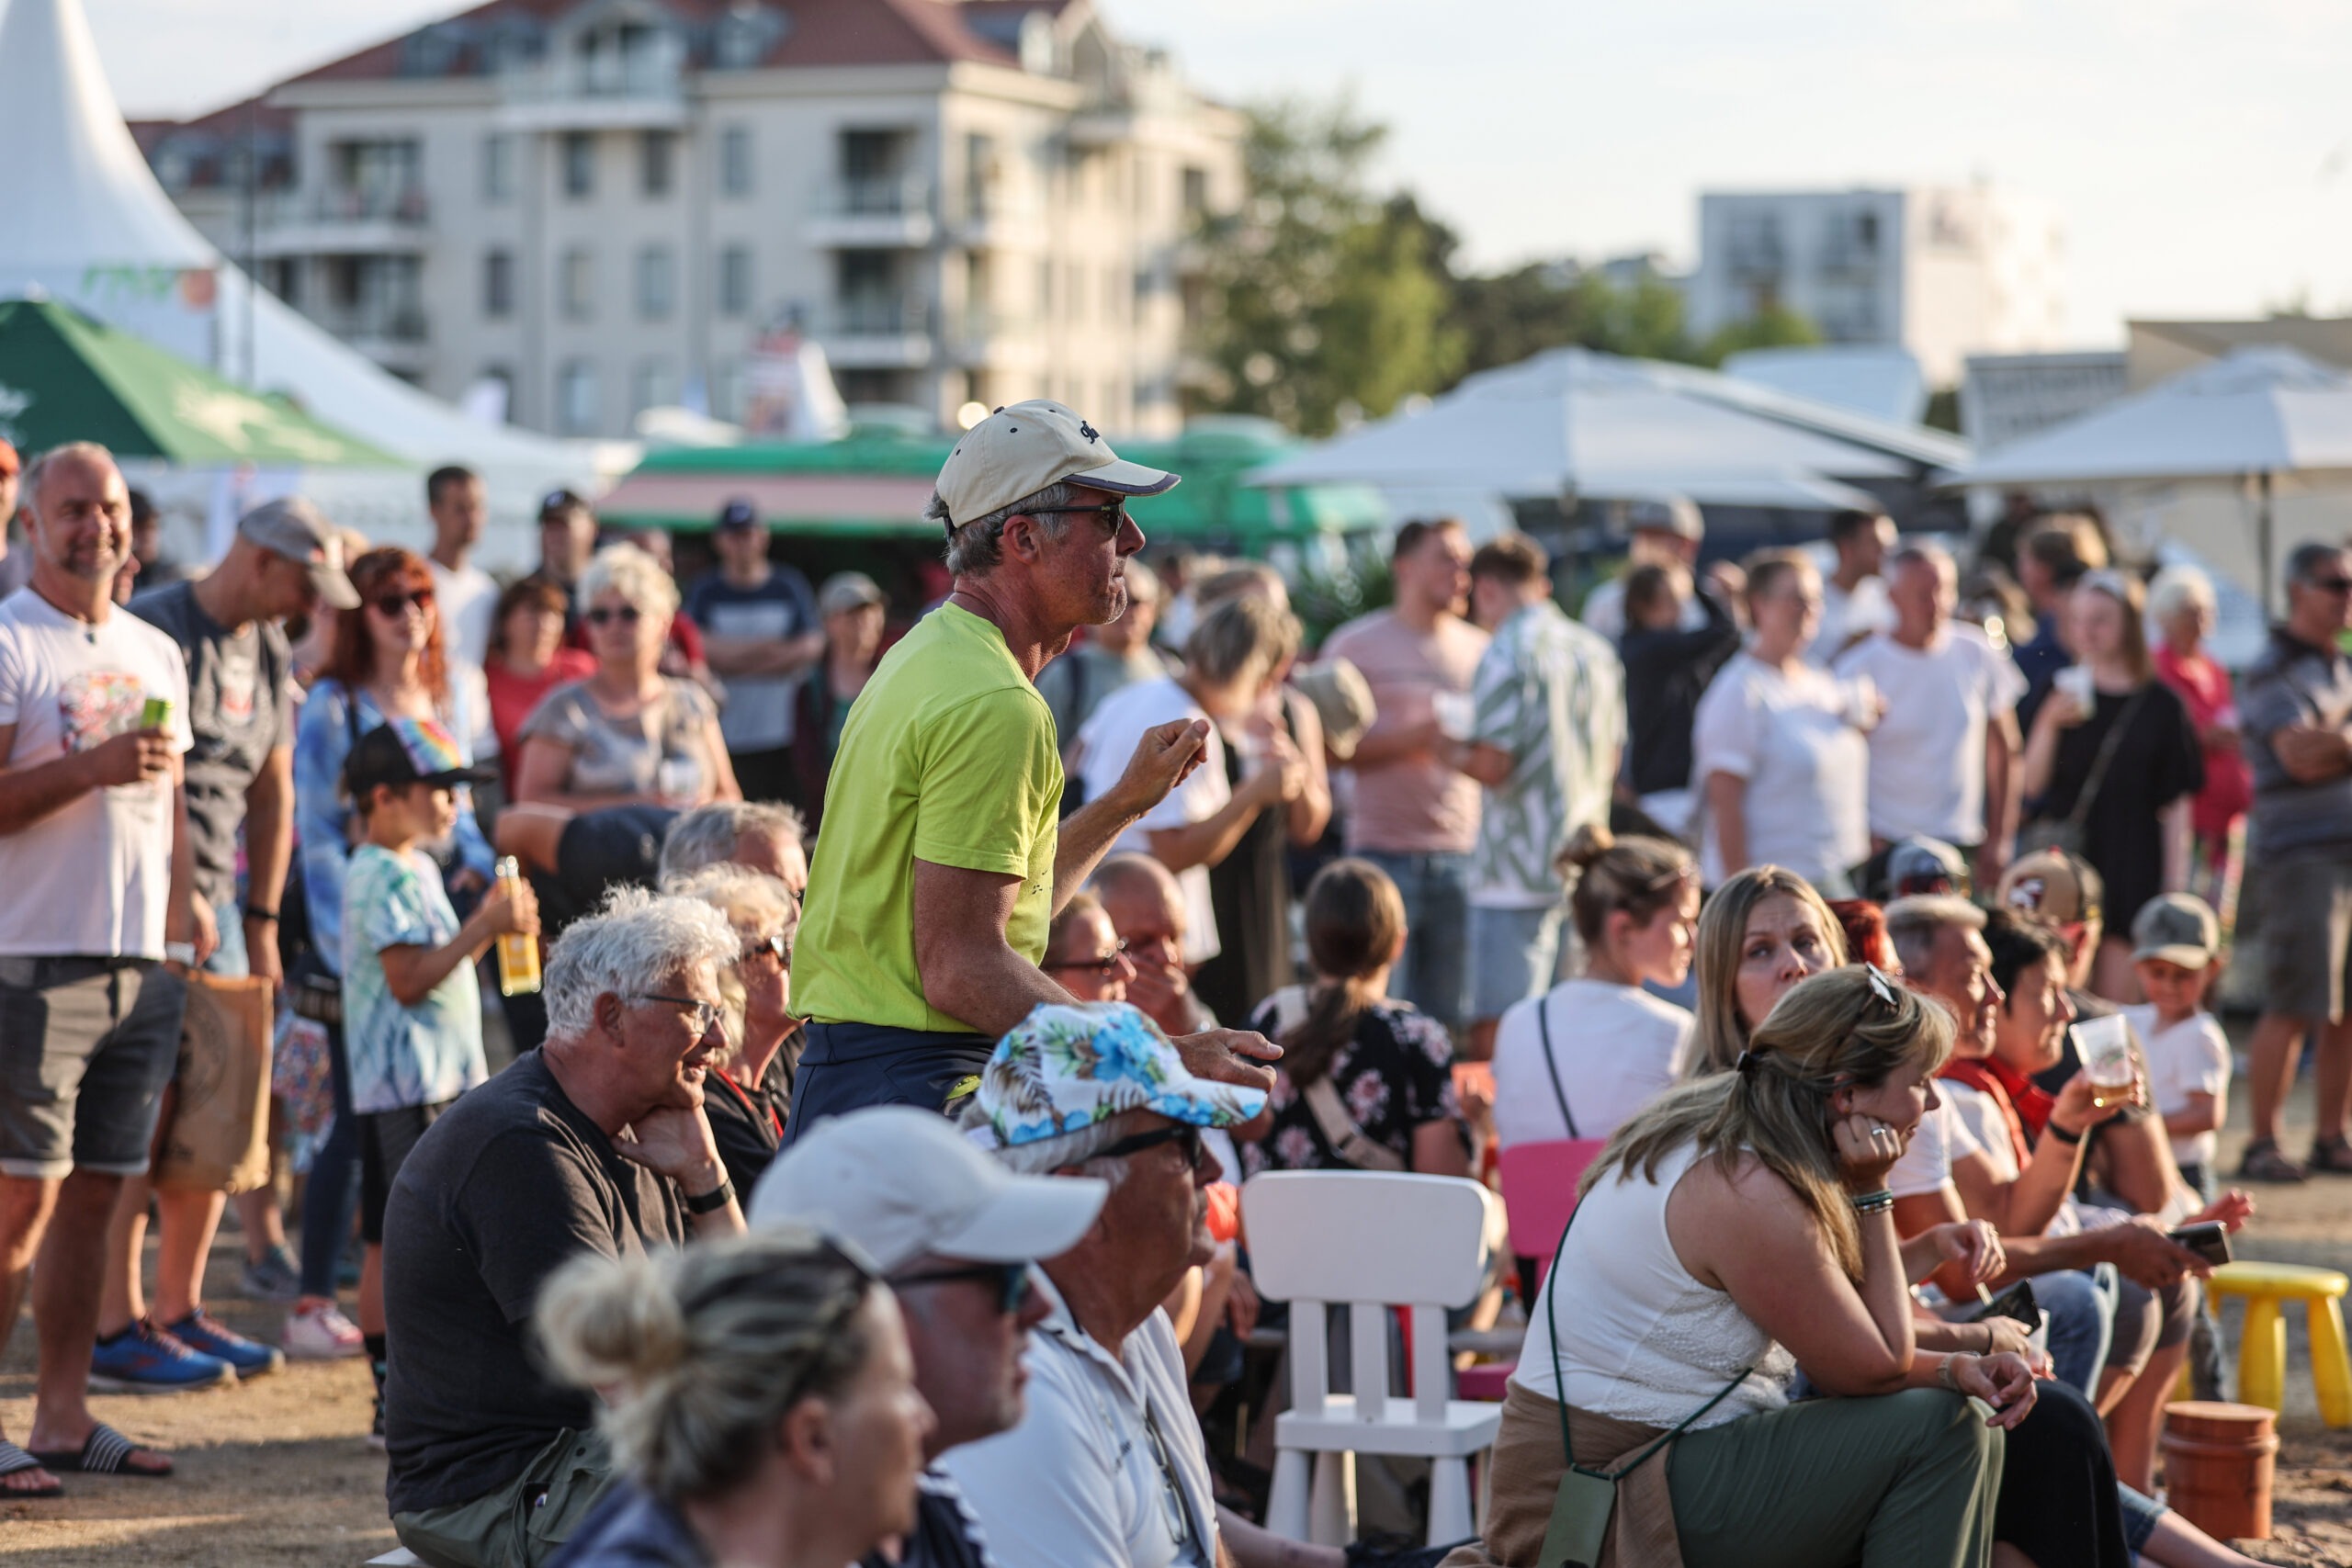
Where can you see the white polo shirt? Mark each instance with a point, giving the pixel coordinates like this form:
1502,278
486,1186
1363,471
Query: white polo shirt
1079,1483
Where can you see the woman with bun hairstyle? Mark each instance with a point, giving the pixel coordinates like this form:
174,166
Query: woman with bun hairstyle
760,1405
1582,1058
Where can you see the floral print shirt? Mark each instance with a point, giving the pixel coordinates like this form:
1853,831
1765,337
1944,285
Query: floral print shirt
1396,1075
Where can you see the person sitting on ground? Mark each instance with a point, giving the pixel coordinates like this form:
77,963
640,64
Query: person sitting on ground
492,1464
750,1092
628,735
1148,912
1761,933
1734,1231
412,1005
758,835
1580,1060
1366,1082
957,1236
760,1401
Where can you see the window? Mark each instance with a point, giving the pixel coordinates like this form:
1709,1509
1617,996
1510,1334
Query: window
655,284
735,281
576,285
576,399
498,283
1196,192
652,386
579,164
491,397
656,152
735,161
497,170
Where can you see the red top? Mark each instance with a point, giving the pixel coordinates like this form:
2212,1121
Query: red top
513,696
2023,1103
2204,686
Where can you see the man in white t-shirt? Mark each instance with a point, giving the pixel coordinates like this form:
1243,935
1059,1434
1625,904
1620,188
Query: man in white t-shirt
1853,597
469,597
1945,755
101,923
1229,658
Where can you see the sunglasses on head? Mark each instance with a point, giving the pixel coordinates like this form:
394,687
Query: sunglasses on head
397,604
1013,1281
605,615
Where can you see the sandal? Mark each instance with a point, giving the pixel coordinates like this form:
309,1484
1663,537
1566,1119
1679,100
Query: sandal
2263,1162
15,1460
2332,1156
104,1452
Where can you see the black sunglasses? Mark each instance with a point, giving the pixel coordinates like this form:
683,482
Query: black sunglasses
1113,516
391,605
779,947
2329,584
1013,1281
1182,1132
1107,966
603,615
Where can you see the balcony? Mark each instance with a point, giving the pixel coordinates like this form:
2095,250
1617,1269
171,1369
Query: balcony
877,334
639,90
343,221
879,212
397,337
999,217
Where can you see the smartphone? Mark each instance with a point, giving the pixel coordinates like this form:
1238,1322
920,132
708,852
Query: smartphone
2017,1302
2209,1241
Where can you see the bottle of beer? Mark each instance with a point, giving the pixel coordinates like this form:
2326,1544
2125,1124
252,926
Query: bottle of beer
518,952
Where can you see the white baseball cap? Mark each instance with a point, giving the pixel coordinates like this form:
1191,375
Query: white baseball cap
1022,448
896,1183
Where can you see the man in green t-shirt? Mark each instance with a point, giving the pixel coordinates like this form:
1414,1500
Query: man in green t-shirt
943,860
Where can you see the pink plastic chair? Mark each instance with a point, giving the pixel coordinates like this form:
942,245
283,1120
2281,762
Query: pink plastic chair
1539,1193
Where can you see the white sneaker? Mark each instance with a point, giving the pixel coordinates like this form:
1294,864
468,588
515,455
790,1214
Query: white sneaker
323,1334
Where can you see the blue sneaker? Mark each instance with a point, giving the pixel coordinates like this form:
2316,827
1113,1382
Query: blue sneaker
142,1358
207,1335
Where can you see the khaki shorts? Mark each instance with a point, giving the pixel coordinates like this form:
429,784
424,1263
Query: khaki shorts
86,1046
2306,933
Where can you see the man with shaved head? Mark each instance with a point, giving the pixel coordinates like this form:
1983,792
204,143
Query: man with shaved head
101,921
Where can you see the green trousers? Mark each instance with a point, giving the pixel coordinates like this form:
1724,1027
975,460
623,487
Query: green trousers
522,1523
1905,1481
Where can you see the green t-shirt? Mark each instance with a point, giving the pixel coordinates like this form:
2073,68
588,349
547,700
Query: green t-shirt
948,756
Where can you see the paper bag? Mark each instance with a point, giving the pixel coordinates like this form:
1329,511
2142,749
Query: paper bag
218,1136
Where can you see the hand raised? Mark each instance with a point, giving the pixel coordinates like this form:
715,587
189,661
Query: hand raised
1163,758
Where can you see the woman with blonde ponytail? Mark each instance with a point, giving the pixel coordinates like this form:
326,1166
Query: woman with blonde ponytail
759,1401
1736,1230
1366,1082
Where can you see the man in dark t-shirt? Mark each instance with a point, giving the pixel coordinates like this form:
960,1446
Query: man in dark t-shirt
492,1464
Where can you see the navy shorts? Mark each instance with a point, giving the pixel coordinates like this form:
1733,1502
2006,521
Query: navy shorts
849,1067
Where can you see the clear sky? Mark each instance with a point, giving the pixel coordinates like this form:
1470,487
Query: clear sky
2200,152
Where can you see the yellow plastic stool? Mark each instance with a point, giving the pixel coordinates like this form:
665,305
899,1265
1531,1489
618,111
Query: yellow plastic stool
2262,1342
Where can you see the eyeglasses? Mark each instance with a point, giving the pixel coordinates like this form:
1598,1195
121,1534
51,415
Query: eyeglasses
778,947
1013,1281
1113,516
2329,584
1171,1499
704,1013
1182,1132
393,605
1107,966
604,616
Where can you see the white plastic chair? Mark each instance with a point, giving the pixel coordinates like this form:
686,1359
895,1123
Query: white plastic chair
1368,1240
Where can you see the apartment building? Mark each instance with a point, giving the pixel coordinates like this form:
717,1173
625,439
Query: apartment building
599,207
1944,272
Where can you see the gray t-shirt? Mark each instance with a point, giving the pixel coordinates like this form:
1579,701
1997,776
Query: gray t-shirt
624,756
240,707
2294,682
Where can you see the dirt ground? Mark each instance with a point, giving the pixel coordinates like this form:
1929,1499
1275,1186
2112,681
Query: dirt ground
278,1471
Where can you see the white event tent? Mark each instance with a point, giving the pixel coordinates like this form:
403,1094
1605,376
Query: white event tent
87,223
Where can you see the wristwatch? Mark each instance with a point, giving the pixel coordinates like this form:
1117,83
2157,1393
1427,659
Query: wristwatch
710,1203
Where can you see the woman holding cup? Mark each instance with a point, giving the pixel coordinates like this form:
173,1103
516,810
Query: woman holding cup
2113,767
627,735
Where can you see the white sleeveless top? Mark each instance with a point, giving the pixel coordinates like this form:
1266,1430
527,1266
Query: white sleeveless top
1640,1339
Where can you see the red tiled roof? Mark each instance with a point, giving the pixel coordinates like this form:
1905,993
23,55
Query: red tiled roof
821,32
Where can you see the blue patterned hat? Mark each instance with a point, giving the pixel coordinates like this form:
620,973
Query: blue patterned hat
1063,1069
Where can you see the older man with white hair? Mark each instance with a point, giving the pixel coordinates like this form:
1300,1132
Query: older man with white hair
596,1142
762,836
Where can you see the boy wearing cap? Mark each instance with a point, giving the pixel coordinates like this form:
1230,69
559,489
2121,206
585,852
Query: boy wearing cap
411,1013
943,857
761,631
2173,943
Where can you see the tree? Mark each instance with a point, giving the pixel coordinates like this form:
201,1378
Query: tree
1325,303
1776,328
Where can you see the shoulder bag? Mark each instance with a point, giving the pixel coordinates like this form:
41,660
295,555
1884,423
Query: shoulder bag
1322,1097
2065,833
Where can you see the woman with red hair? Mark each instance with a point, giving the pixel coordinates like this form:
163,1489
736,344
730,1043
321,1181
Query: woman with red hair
387,662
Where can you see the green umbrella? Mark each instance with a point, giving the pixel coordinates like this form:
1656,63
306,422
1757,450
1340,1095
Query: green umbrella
66,376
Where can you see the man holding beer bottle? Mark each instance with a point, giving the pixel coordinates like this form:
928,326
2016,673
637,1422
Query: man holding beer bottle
96,861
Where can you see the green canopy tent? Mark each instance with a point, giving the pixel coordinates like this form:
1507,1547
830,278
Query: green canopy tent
66,376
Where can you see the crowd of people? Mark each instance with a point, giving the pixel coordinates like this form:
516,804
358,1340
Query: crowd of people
861,1183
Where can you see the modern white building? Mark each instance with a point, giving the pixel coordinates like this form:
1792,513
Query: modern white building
599,207
1944,272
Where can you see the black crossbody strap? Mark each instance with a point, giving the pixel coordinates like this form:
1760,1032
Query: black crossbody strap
1544,1033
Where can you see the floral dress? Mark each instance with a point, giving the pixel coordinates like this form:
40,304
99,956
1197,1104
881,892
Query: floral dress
1395,1077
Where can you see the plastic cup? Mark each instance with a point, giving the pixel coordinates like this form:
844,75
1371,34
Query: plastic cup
2075,682
1861,704
1456,712
2104,1046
